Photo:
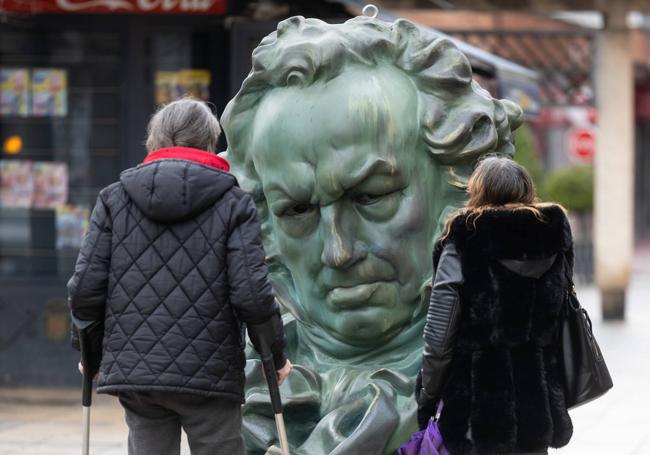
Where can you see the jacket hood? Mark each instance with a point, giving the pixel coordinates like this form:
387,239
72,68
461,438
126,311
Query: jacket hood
515,233
177,183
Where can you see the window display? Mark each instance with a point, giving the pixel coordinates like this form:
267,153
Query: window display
49,92
14,92
50,185
60,131
172,85
71,225
16,183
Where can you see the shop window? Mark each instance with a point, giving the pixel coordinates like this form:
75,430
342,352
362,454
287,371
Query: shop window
60,130
180,63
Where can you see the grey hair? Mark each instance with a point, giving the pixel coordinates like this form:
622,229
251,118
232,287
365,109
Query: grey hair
183,123
460,121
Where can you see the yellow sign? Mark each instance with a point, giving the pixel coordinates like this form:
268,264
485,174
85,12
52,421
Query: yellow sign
173,85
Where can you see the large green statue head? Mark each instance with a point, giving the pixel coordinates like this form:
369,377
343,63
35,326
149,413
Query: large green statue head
354,139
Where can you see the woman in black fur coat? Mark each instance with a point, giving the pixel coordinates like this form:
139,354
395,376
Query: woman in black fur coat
491,337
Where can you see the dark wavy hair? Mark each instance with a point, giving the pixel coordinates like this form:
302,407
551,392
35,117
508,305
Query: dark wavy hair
498,182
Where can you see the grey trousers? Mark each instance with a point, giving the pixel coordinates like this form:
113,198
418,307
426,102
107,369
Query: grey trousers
155,419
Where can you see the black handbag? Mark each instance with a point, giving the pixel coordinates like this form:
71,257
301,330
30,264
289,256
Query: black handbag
586,376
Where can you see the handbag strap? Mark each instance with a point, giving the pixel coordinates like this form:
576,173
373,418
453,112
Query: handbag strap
568,306
568,273
574,303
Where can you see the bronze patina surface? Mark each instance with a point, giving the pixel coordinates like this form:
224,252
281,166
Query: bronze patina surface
356,141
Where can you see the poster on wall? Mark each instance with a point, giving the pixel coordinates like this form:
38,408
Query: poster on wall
167,87
14,92
71,225
49,92
16,183
50,184
196,83
173,85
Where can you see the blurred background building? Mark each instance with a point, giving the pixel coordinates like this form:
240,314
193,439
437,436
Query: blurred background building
79,80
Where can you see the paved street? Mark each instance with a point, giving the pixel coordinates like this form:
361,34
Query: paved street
40,422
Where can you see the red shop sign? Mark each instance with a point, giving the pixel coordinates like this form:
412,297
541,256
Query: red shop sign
582,144
115,6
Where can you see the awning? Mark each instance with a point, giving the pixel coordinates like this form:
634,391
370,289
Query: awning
514,81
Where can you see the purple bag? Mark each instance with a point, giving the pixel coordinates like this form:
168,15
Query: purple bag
425,442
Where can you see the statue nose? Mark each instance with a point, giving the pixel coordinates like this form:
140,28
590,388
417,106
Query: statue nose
340,250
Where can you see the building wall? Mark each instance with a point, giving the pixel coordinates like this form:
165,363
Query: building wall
111,65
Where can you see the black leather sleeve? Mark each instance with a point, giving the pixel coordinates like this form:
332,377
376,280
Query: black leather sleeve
442,324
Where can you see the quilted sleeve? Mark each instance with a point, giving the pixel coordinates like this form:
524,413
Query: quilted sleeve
250,290
88,287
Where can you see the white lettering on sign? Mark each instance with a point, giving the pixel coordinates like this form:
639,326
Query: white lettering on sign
183,5
72,5
140,5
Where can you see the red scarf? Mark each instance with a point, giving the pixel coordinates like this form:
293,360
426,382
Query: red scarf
189,154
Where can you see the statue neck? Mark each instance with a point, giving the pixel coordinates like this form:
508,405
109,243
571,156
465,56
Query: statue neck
319,346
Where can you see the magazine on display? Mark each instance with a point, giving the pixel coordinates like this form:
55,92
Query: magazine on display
14,92
50,184
49,92
16,183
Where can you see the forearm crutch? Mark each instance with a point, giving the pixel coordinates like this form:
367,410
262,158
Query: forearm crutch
274,391
87,383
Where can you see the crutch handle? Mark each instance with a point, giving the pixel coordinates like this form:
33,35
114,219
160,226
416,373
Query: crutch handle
261,335
272,380
268,364
87,381
90,365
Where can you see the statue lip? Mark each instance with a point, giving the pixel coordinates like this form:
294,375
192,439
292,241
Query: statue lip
352,297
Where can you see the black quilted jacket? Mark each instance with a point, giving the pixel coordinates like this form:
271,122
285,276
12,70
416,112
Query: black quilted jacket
172,267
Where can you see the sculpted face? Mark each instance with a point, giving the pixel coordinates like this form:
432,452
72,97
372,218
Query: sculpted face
353,200
355,140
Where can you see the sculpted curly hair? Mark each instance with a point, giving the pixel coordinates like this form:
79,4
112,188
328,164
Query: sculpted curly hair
460,121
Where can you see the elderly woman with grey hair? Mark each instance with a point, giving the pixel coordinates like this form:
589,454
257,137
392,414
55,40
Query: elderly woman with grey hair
171,269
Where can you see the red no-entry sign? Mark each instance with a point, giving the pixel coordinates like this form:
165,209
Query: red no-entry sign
582,144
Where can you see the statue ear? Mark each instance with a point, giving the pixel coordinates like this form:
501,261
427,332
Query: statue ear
455,194
510,118
514,113
282,282
279,274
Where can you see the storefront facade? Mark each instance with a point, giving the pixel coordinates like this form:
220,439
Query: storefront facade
79,80
77,90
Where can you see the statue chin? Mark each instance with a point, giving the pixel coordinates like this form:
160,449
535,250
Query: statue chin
366,331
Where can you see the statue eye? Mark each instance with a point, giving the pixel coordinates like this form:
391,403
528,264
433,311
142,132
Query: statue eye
299,209
378,207
368,199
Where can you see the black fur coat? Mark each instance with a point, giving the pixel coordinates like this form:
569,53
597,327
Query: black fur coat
503,393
